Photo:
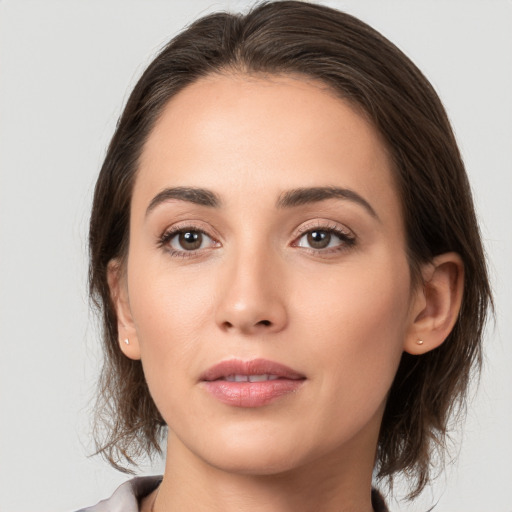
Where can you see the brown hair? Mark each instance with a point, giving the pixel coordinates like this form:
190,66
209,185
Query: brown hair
370,72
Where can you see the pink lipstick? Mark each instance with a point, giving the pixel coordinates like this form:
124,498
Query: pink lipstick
250,383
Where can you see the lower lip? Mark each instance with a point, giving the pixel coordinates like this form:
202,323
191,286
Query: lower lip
252,394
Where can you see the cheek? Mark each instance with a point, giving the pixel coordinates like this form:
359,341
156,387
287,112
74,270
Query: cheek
355,324
169,314
359,318
169,309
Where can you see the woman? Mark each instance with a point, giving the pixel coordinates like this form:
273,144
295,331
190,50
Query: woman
286,255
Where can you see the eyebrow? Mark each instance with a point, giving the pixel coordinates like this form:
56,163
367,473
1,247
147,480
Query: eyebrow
199,196
288,199
301,196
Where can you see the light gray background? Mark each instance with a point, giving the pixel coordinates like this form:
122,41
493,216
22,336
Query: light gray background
66,69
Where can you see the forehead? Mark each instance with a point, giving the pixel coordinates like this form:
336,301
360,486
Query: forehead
264,133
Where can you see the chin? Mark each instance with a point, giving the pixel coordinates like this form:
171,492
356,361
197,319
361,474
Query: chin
251,464
253,453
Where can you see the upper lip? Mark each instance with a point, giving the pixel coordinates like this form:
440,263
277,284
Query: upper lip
252,367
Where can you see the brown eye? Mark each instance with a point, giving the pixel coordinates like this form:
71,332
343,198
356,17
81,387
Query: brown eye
190,240
187,240
319,239
325,239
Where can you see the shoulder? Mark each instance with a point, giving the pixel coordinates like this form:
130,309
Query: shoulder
127,496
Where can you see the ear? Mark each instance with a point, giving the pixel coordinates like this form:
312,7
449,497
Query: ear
436,305
128,340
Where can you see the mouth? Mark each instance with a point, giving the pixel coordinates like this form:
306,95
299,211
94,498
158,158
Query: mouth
236,370
251,378
250,383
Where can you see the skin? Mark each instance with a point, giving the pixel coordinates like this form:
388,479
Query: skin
256,288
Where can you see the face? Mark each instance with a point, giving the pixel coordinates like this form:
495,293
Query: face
267,290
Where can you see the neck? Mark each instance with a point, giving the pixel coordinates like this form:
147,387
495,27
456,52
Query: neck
337,482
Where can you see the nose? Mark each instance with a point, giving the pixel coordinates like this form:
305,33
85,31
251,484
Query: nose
252,296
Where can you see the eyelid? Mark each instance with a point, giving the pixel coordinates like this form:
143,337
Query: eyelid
170,232
346,236
192,225
326,225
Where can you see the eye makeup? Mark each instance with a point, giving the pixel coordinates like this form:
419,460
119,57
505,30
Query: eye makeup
321,237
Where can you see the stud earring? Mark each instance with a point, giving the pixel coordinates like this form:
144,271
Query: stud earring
127,341
419,342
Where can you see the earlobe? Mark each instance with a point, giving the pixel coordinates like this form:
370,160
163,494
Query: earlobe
437,304
127,334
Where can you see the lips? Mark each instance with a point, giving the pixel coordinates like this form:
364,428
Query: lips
250,383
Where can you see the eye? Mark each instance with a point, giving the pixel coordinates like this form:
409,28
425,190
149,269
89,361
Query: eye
317,239
321,238
188,240
185,240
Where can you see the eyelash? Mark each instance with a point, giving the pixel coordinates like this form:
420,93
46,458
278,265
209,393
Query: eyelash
347,239
166,238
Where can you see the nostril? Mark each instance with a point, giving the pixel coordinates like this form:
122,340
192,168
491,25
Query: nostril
264,322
